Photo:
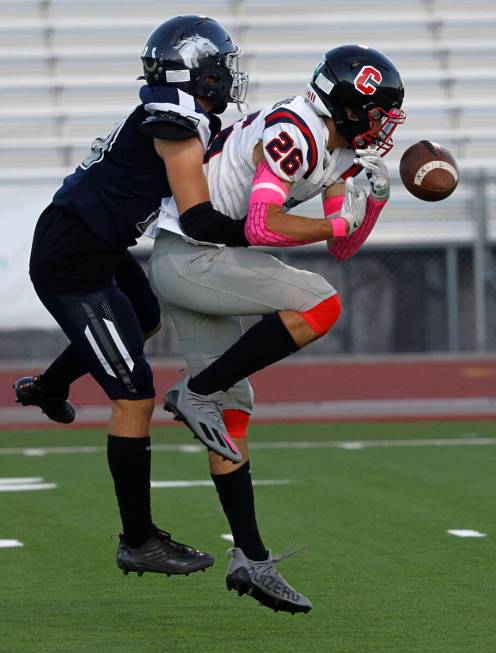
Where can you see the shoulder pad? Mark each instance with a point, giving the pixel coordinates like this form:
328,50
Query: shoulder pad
169,125
179,109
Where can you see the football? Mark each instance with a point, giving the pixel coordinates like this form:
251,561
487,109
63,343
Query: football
429,171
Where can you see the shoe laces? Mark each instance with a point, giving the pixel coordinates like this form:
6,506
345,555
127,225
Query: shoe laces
289,551
272,560
269,566
209,404
165,536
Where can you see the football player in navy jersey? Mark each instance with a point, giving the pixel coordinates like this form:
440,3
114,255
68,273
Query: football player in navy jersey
80,250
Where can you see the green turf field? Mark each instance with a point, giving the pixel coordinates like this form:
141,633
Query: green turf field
380,567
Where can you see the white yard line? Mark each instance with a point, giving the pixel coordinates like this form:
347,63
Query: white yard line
348,445
24,485
462,532
183,484
10,544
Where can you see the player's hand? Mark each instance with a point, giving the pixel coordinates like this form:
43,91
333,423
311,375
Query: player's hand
354,205
377,173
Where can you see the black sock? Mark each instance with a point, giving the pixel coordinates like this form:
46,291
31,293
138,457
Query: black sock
129,460
62,372
235,492
265,343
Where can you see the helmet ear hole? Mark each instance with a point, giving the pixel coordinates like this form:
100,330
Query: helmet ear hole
351,115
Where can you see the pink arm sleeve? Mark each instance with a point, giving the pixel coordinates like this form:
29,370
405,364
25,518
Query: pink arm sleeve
267,189
347,247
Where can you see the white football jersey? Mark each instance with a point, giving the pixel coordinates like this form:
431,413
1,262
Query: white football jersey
294,139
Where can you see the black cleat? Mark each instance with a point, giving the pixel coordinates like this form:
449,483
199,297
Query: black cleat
162,555
29,391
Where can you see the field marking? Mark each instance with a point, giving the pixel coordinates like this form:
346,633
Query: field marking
21,480
24,484
462,532
182,484
348,445
10,544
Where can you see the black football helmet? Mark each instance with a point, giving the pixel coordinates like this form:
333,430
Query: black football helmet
196,55
366,82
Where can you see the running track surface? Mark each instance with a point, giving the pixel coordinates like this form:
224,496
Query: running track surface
320,389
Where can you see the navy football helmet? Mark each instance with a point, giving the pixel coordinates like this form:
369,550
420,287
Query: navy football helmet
196,55
358,86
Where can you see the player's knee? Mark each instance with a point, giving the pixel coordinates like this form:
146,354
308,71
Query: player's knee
322,317
236,422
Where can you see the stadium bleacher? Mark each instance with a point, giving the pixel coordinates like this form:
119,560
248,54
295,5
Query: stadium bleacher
68,70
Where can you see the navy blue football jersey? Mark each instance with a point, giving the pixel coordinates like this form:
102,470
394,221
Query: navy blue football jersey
117,189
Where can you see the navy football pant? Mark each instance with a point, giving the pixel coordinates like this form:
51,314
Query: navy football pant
133,282
106,336
73,271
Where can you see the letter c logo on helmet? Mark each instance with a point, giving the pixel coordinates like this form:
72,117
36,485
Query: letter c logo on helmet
367,80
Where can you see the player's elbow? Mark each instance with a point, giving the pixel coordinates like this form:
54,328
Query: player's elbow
260,231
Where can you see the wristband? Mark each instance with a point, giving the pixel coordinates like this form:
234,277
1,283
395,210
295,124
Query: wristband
338,227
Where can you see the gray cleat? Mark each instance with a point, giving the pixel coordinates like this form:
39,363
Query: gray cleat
202,414
162,555
263,582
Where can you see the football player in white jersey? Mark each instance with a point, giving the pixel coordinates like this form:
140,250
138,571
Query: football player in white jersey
259,168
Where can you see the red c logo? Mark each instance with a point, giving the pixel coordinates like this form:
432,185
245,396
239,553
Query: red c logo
364,80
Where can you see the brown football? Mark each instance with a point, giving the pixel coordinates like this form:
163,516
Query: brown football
429,171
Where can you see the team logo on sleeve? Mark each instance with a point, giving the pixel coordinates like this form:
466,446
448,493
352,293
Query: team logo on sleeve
367,80
194,47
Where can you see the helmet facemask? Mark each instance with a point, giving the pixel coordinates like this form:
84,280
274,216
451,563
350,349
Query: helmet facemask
218,79
239,86
380,139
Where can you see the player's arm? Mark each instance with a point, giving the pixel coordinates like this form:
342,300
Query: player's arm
378,176
179,140
268,224
199,220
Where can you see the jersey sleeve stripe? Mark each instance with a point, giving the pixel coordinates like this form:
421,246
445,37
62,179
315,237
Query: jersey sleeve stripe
217,145
285,115
351,172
